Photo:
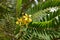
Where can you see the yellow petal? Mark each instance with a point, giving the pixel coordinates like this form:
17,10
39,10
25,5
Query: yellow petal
20,19
25,22
30,20
17,22
26,18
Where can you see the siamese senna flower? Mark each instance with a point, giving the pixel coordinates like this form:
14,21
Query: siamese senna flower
25,19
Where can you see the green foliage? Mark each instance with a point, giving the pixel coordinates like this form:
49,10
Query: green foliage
43,5
45,24
18,7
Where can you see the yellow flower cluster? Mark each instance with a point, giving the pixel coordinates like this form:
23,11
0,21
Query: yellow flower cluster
25,19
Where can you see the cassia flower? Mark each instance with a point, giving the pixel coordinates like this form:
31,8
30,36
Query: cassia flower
25,19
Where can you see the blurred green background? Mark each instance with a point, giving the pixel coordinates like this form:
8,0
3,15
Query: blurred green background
45,16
